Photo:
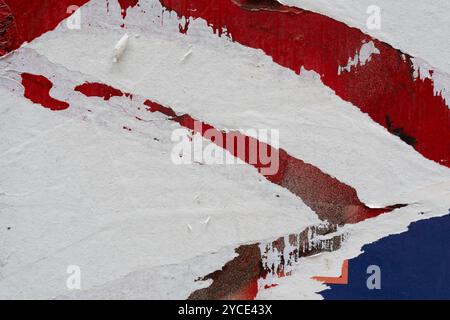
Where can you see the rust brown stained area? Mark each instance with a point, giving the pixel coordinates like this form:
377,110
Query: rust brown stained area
238,279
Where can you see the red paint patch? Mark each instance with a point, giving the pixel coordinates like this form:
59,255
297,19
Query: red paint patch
99,90
384,87
126,4
37,90
184,29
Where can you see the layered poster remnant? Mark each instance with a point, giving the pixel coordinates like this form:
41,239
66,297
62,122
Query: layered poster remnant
224,149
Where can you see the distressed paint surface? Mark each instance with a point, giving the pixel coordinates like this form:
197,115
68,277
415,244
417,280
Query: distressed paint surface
385,87
383,83
23,21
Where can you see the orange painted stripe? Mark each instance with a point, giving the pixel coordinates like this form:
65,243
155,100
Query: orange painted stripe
343,279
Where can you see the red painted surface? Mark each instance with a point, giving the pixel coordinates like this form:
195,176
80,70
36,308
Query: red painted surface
184,28
384,87
126,4
24,20
8,31
37,89
99,90
267,286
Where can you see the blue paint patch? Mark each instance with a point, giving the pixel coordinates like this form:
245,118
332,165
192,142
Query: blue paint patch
414,265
